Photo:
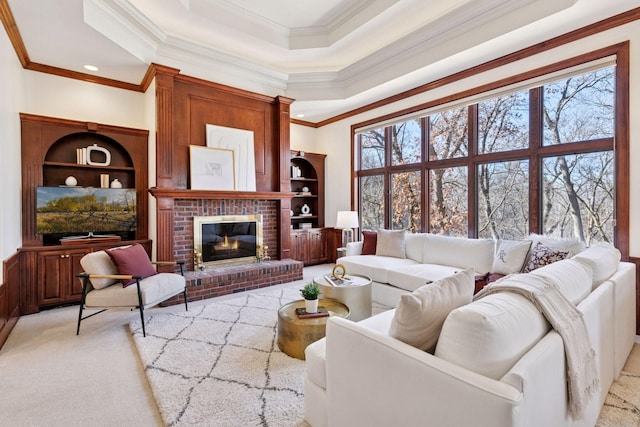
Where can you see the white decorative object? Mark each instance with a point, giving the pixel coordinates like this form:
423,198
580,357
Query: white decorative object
311,305
240,141
306,210
116,184
107,155
71,181
212,168
305,189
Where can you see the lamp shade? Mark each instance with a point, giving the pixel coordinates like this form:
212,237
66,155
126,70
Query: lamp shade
347,219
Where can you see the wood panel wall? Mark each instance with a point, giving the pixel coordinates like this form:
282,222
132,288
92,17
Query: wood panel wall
9,296
185,105
636,261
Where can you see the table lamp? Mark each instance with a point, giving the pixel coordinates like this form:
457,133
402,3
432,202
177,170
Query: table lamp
347,221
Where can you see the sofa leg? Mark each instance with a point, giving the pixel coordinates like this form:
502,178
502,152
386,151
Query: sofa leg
186,307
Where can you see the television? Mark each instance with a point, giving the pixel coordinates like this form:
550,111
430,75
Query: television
84,212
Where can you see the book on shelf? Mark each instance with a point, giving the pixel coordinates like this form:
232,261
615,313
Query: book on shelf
306,193
301,312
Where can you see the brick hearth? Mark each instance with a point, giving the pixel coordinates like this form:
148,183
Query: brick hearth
215,282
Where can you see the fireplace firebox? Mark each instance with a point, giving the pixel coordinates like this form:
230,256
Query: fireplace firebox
227,239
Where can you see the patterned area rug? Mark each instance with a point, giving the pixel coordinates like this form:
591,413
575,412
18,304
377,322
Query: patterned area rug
220,365
622,405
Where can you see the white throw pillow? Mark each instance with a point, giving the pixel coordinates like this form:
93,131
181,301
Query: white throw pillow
419,315
510,256
458,252
391,243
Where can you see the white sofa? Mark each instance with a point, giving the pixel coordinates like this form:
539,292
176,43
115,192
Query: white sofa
497,361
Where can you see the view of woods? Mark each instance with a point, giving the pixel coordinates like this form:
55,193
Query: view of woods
484,148
58,212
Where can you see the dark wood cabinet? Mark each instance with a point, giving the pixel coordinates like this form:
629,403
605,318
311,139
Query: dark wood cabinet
57,276
49,273
309,246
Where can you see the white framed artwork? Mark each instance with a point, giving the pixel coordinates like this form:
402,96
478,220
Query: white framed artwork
240,141
212,168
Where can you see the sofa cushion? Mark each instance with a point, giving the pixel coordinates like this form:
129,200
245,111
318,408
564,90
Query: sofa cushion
572,278
419,315
411,277
369,242
414,243
132,260
491,334
153,289
458,252
603,258
99,263
541,255
391,243
375,267
510,256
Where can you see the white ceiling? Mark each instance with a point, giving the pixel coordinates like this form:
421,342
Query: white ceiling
332,56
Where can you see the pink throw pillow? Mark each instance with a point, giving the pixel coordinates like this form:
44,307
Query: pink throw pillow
132,260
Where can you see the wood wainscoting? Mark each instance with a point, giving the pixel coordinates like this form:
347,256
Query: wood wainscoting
9,296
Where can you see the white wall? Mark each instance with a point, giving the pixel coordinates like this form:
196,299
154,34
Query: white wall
334,139
11,84
49,95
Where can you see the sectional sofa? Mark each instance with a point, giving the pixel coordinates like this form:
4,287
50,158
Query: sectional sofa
496,361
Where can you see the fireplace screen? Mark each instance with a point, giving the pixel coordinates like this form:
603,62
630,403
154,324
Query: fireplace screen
227,239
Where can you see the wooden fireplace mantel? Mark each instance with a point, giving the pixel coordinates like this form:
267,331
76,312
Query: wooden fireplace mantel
181,193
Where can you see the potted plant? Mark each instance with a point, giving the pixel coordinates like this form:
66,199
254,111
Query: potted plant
310,293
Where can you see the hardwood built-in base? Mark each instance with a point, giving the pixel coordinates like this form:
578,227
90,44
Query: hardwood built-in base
215,282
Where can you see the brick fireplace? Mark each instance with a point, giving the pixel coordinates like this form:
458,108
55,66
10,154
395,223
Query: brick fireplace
176,210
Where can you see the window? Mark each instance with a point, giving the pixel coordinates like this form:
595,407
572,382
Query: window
539,159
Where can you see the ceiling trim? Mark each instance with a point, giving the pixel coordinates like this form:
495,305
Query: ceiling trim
11,28
580,33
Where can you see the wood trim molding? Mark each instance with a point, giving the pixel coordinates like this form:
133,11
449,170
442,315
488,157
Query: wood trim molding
623,18
10,26
176,193
597,27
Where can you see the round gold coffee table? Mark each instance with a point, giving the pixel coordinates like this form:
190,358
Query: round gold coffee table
295,334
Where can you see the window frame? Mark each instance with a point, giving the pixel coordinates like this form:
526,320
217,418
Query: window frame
535,153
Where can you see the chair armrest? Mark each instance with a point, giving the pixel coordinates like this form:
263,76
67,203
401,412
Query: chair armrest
108,276
180,263
354,248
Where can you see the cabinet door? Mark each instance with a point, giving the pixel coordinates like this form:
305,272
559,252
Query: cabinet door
317,247
299,246
51,277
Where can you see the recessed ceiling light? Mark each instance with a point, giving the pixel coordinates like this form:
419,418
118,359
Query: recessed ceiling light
91,67
300,116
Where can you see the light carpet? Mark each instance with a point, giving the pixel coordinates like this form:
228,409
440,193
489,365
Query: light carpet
219,365
622,405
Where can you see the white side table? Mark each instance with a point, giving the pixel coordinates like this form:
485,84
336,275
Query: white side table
356,295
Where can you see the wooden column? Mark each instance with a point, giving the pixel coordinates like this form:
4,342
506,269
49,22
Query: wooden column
284,158
164,158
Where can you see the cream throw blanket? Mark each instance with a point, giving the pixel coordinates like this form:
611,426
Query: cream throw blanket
566,319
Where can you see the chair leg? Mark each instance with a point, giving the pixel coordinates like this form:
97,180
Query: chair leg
85,284
186,307
144,332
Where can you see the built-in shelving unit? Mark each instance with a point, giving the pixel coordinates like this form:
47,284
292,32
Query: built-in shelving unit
50,155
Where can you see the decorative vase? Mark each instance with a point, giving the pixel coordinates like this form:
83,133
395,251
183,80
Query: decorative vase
116,184
71,181
311,305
